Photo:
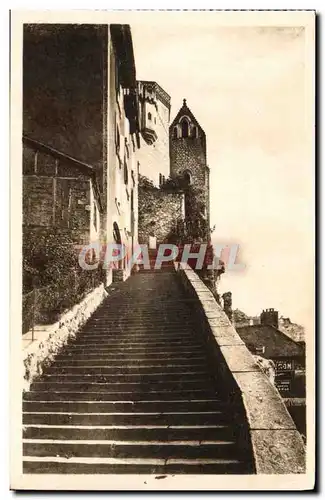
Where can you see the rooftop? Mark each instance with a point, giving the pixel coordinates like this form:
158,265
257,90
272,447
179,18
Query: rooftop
276,343
160,92
185,111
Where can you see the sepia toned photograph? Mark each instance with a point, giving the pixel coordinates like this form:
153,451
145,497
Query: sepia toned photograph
162,214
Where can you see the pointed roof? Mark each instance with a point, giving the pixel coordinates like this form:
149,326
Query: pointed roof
185,111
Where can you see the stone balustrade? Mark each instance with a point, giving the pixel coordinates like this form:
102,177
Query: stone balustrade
271,434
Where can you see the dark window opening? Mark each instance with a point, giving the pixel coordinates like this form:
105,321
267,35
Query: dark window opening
95,217
132,201
149,116
116,233
187,178
126,173
175,133
184,128
117,138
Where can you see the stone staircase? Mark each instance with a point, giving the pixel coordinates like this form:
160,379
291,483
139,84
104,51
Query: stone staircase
135,392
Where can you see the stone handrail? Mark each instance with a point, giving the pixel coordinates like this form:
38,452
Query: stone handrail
276,445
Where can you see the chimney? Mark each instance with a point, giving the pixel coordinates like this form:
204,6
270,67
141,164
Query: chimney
270,317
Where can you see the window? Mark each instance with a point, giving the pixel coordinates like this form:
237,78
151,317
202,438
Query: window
175,133
127,147
95,216
132,200
194,132
117,139
184,125
187,178
116,233
126,173
149,116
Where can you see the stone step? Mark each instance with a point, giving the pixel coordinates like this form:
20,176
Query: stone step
107,419
124,378
119,449
142,333
142,406
118,396
164,321
129,357
104,368
128,433
147,299
61,465
148,332
130,311
169,344
153,324
124,371
139,331
139,386
131,337
130,362
139,336
163,267
126,351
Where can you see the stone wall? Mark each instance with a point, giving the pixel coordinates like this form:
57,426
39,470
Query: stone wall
159,212
57,194
189,154
45,204
64,89
40,353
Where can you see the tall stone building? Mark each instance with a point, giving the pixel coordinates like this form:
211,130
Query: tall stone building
188,164
176,208
160,208
81,133
154,115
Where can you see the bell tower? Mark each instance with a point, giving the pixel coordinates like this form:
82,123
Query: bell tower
188,164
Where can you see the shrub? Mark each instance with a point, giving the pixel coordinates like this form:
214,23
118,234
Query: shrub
48,257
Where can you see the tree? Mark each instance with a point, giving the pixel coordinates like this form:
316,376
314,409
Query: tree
240,316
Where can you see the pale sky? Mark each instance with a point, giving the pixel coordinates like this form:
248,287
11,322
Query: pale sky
246,87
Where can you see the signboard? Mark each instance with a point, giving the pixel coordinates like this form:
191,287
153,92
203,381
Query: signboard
283,385
284,365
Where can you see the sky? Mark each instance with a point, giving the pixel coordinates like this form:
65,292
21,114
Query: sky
247,88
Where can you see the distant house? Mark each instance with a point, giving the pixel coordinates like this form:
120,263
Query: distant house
288,356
